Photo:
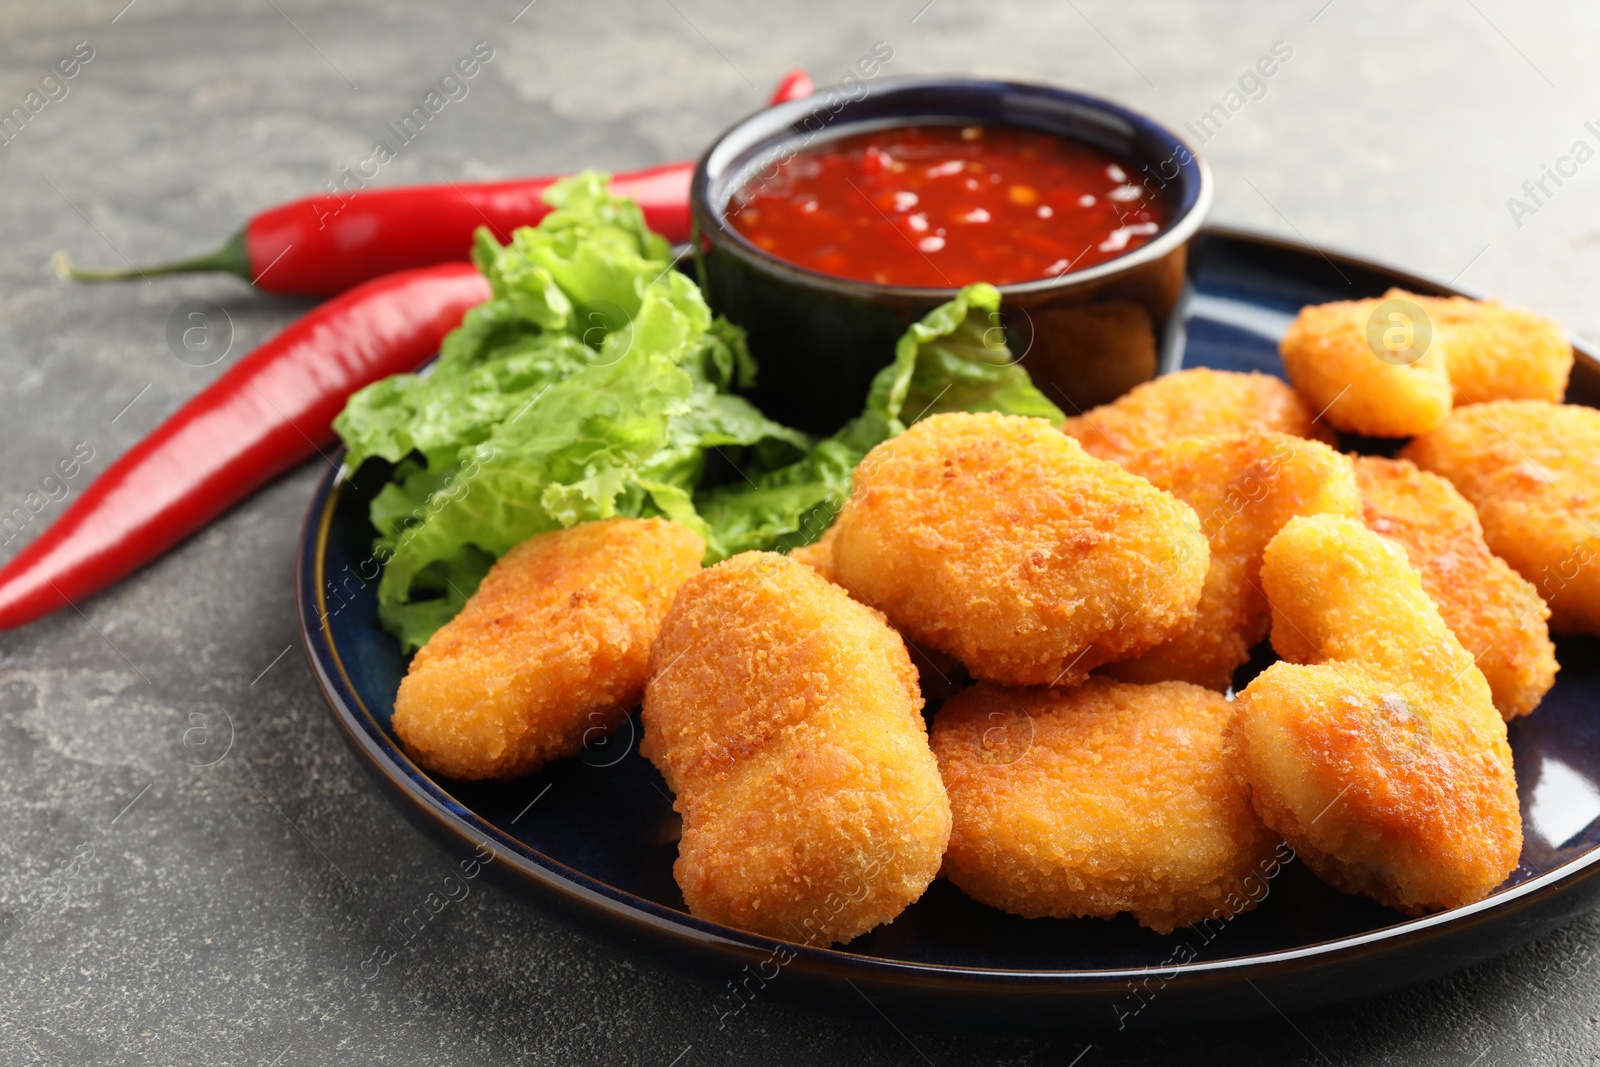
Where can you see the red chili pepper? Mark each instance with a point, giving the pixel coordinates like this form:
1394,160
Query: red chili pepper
324,244
271,411
795,86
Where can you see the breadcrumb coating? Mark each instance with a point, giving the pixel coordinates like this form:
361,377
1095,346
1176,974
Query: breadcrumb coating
940,674
1244,488
818,555
1193,403
1477,350
551,648
1495,614
1497,352
1329,359
1375,749
786,718
997,539
1097,800
1532,470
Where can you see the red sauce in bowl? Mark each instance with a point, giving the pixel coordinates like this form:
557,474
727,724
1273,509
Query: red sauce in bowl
938,206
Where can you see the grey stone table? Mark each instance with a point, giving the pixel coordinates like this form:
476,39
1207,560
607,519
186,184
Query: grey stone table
154,911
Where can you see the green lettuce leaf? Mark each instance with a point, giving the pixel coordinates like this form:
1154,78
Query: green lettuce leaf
782,508
956,359
595,382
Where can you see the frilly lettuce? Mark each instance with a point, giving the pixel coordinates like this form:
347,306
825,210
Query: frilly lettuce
596,382
591,384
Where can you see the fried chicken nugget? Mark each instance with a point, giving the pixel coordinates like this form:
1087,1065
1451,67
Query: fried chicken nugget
818,555
786,718
1376,750
997,539
551,648
1532,469
1470,351
1244,488
1497,352
941,674
1193,403
1097,800
1328,357
1492,610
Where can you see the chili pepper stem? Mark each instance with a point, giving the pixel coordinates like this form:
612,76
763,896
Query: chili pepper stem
232,257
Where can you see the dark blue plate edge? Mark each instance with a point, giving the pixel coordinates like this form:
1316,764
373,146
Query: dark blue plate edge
1212,989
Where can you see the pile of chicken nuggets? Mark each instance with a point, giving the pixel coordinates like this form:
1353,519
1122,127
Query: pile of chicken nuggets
1076,602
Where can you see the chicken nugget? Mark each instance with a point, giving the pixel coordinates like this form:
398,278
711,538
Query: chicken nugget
1497,352
1532,469
786,718
818,555
1101,799
1244,488
1369,370
1492,610
940,674
1193,403
551,648
997,539
1375,750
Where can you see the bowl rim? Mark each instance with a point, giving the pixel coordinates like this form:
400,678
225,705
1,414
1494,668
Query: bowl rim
1179,231
467,830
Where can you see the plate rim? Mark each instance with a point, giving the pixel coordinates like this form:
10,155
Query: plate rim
470,831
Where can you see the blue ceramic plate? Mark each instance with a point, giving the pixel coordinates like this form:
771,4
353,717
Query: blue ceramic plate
595,835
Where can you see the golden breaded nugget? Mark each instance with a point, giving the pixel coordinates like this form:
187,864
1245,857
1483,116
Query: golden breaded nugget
1244,488
997,539
551,648
818,555
1494,613
786,717
1376,750
1193,403
1497,352
1097,800
940,674
1532,470
1331,361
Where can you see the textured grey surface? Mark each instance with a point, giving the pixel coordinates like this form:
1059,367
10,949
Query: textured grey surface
216,920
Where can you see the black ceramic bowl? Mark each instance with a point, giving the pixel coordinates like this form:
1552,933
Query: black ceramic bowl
1086,336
